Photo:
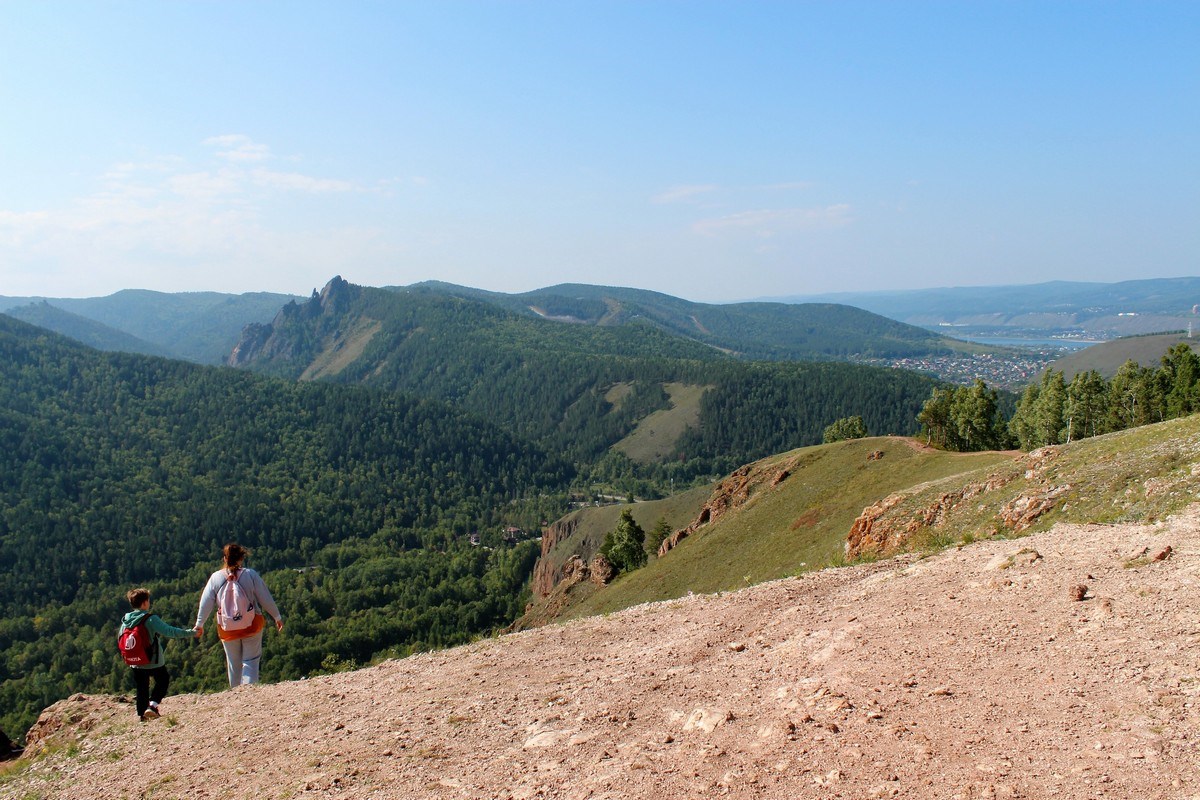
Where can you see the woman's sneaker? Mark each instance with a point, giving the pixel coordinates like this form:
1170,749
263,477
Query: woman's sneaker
150,713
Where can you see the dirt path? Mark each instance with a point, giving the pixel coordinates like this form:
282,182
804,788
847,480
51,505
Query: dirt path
970,674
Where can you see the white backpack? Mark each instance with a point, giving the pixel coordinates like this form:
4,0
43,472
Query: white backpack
235,611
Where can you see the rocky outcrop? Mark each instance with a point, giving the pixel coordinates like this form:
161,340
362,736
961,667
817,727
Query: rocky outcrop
600,570
546,572
733,492
889,524
872,531
288,337
574,571
879,530
1021,512
68,721
251,344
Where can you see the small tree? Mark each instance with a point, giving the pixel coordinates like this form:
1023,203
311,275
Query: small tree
935,416
624,545
1022,425
1181,380
660,532
1086,406
845,428
1049,424
1134,397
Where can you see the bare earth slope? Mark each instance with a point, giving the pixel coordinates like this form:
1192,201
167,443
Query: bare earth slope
973,673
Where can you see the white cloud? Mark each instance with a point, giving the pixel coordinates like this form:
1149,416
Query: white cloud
765,223
239,148
167,222
207,186
16,229
293,181
679,194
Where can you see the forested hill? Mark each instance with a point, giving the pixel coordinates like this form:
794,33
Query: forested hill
80,328
575,389
776,331
196,326
118,470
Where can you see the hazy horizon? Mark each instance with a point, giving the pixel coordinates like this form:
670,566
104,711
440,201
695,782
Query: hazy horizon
795,298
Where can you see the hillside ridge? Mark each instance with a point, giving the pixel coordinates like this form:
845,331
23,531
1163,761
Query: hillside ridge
862,499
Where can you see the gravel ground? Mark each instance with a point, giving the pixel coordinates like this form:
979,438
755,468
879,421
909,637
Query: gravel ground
974,673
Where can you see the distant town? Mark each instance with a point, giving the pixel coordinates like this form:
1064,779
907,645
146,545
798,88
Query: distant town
1009,371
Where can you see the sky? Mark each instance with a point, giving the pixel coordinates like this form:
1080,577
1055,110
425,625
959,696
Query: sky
715,151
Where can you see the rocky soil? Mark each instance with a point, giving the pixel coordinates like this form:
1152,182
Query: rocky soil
1061,665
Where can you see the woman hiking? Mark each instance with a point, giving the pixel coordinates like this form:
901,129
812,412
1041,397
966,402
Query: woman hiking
239,597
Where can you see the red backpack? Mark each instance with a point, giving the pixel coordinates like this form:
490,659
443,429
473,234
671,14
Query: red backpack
136,645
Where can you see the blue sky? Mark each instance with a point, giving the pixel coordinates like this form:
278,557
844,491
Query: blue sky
715,151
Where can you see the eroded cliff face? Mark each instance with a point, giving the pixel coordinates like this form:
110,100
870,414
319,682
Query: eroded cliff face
733,492
252,342
890,524
549,571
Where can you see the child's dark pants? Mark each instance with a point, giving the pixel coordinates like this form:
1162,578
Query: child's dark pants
144,694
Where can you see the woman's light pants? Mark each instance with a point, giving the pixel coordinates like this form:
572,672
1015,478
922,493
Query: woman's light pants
241,659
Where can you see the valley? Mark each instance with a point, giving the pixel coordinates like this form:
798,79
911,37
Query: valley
373,446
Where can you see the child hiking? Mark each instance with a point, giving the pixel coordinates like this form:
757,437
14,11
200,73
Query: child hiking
240,598
141,641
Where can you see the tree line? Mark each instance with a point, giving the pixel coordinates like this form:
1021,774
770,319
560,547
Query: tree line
1053,410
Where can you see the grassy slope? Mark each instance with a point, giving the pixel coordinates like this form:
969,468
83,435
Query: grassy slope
594,523
1132,476
799,525
655,436
342,350
1107,357
1138,475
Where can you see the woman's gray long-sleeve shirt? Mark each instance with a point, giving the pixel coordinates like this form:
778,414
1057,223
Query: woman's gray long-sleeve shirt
252,584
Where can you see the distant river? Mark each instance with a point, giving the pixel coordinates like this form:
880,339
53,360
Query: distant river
1069,344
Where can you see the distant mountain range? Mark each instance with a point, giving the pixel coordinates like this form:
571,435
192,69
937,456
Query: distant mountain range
898,327
195,326
82,329
580,389
204,326
1086,310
